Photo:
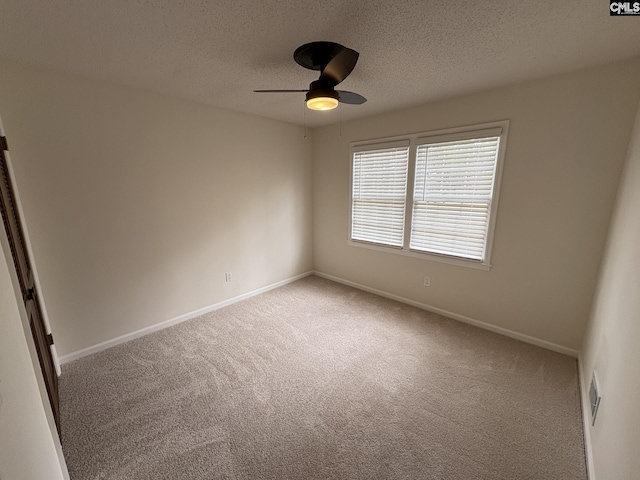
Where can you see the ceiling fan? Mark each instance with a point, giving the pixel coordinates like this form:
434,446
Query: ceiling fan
335,63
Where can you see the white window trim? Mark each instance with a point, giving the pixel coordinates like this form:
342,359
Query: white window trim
449,134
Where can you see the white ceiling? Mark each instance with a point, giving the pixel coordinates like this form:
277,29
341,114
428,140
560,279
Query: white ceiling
411,51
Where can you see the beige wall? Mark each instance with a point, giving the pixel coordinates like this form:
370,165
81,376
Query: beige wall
567,142
29,447
612,341
137,203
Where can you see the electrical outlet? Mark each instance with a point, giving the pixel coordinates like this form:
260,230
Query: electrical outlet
227,277
427,281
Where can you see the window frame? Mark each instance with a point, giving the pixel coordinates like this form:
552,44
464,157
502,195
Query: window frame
498,128
371,148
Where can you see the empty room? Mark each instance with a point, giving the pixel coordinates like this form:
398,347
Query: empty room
319,240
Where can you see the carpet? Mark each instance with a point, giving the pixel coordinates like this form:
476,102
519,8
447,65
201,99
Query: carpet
317,380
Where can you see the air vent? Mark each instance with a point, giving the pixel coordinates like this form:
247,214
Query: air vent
594,397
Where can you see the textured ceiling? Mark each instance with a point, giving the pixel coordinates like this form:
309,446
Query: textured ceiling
411,51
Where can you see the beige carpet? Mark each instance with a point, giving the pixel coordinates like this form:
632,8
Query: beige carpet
316,380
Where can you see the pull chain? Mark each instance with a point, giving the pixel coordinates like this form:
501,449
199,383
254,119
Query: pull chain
304,118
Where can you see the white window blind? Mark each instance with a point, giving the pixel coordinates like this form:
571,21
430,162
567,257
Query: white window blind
379,195
452,196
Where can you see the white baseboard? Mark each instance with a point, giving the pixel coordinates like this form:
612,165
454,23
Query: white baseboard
56,360
462,318
187,316
173,321
586,424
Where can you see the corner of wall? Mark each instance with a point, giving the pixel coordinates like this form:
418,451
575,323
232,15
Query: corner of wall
586,427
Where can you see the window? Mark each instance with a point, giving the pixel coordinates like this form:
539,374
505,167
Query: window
379,194
431,195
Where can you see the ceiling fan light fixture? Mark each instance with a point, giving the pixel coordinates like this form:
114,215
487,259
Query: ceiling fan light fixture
322,99
335,62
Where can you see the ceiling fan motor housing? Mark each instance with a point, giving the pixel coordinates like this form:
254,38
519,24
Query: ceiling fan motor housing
316,55
318,89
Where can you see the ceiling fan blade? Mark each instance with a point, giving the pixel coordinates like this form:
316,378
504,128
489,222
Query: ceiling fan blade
280,91
351,98
339,67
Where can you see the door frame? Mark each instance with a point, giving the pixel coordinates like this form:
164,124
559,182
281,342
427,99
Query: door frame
16,247
27,241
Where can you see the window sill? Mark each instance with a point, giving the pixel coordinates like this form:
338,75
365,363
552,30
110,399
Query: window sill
460,262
